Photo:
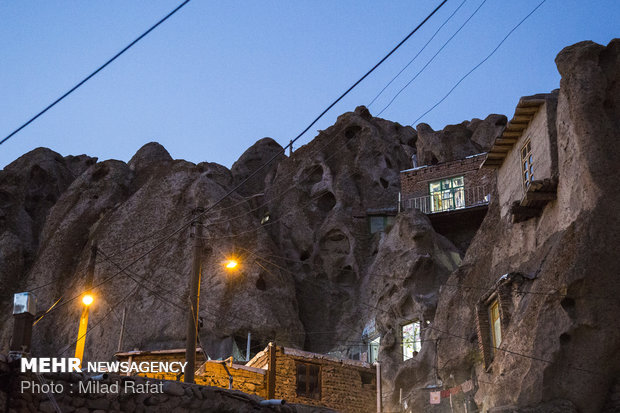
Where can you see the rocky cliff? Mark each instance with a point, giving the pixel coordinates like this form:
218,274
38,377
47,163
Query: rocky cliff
313,275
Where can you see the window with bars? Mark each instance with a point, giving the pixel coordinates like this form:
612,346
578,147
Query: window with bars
447,194
527,168
309,380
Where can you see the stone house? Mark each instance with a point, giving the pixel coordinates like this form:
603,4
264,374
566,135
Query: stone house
281,373
526,158
318,380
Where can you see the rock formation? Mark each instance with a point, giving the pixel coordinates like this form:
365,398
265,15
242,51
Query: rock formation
313,275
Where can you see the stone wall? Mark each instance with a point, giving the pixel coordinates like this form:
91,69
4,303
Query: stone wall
211,373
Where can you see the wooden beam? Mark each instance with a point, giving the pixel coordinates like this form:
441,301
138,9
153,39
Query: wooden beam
505,141
540,196
508,135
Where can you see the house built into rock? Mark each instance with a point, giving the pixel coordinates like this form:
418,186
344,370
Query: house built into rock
526,157
455,195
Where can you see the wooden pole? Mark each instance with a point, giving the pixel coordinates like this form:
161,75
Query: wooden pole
379,401
193,298
271,371
120,338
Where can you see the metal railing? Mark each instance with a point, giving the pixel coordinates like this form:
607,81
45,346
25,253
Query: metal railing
459,198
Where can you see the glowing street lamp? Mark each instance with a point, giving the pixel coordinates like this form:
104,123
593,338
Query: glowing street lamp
87,300
231,264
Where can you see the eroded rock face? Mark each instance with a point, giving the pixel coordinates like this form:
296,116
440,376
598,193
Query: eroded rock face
458,141
562,318
29,187
317,204
252,159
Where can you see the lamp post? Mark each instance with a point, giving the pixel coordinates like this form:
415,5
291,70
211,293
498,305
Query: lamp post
87,300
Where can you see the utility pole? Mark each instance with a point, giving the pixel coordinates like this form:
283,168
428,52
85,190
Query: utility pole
87,301
120,338
193,298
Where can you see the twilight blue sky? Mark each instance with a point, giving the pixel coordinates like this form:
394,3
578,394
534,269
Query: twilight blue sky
219,75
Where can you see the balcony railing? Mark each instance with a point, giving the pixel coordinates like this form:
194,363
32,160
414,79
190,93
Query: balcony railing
450,200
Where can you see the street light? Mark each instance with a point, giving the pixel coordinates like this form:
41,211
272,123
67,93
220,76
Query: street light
87,300
231,264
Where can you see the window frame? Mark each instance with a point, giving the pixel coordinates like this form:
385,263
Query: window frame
306,393
453,196
416,346
495,323
527,163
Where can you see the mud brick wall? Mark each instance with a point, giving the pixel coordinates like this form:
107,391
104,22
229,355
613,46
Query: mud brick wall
341,384
414,182
248,380
174,396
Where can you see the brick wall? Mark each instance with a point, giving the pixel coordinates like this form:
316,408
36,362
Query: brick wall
414,182
341,384
163,396
211,373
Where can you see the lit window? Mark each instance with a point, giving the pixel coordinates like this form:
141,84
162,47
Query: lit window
496,329
308,380
411,339
447,194
373,349
526,164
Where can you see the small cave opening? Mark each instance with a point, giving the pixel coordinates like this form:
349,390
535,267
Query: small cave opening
326,202
305,254
260,283
568,304
346,276
351,131
38,176
388,163
314,174
434,160
564,339
384,183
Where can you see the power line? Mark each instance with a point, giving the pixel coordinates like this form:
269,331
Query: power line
416,56
87,78
479,64
239,185
432,58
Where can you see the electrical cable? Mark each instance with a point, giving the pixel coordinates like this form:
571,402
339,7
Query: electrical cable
240,184
416,56
87,78
479,64
432,58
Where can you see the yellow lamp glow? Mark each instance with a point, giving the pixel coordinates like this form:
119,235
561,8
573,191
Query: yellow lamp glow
230,264
87,299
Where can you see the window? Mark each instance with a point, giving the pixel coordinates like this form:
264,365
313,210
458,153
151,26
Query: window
308,380
526,164
447,194
373,349
411,339
496,329
379,223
